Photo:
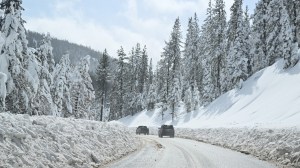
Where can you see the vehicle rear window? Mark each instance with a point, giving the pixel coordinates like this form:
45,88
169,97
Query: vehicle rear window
168,126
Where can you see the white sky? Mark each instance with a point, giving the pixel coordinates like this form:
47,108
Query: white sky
110,24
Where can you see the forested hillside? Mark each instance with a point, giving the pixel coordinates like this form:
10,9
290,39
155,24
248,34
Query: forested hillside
52,77
61,47
214,57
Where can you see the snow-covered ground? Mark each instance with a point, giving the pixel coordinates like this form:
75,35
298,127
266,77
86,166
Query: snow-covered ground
44,141
262,118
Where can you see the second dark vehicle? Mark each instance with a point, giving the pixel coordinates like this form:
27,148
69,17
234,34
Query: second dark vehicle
166,130
142,130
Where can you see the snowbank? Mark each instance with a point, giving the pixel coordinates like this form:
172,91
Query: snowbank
281,146
44,141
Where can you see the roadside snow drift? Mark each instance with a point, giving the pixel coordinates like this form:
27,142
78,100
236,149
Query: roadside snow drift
58,142
281,146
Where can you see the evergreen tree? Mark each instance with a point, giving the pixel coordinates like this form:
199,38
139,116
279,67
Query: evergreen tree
45,53
207,50
293,8
218,44
102,80
188,54
280,37
143,71
192,67
82,91
174,58
196,99
233,22
19,85
132,73
188,99
151,97
3,79
150,75
117,99
247,30
43,99
259,36
197,70
237,57
60,88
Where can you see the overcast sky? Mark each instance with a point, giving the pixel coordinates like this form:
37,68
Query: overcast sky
113,23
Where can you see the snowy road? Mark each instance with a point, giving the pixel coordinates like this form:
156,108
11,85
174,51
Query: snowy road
182,153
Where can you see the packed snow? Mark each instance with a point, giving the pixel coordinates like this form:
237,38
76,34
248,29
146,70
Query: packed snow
262,118
45,141
184,153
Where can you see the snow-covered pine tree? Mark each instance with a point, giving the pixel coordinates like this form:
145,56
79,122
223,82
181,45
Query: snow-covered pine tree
161,81
143,72
192,69
293,7
188,54
188,99
60,87
137,79
113,115
247,30
280,37
259,36
14,49
132,70
232,23
117,98
102,80
174,57
151,97
43,99
197,61
150,73
237,56
196,99
288,45
164,74
83,91
218,45
45,53
231,36
3,79
207,51
138,64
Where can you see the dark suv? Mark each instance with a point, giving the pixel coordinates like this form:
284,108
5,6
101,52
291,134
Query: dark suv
142,130
166,130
